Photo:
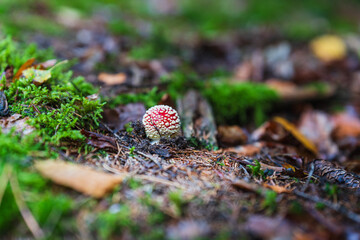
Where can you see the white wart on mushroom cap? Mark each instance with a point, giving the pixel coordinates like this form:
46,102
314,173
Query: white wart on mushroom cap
161,121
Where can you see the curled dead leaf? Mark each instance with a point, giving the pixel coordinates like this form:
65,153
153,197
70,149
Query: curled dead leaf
23,67
277,188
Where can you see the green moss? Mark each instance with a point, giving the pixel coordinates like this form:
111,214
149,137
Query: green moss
149,99
270,203
59,107
156,46
240,103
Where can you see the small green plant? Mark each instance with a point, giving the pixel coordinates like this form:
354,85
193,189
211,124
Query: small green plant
131,153
134,183
296,208
178,201
202,144
331,190
269,202
256,169
320,206
128,128
220,161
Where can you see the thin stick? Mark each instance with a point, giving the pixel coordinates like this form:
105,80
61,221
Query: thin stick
143,177
4,181
312,167
29,219
336,207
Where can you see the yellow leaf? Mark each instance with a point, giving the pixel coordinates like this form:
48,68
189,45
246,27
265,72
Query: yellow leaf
38,76
328,48
291,128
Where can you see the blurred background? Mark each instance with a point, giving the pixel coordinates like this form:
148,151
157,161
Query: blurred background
164,47
176,45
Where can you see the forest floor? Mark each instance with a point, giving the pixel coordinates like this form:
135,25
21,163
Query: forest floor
270,138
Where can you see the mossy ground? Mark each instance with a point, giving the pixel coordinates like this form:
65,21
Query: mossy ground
59,109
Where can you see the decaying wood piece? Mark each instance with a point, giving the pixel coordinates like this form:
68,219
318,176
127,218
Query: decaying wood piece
335,174
197,117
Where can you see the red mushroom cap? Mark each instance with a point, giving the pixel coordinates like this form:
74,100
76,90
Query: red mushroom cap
161,121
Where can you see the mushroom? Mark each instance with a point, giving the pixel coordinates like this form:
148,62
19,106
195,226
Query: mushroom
161,121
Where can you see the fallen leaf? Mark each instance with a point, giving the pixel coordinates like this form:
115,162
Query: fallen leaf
247,150
112,79
328,48
288,91
317,127
232,135
291,128
46,64
243,185
277,188
99,141
346,125
93,97
117,118
38,76
23,67
78,177
281,131
16,121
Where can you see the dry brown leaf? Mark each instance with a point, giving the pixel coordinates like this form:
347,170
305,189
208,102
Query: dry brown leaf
346,126
112,79
247,150
290,92
277,188
80,178
23,67
232,135
16,121
317,127
243,185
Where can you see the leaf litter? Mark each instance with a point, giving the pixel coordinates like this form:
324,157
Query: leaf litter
268,184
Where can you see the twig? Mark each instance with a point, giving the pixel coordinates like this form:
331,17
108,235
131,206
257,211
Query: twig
336,207
24,210
62,154
309,177
143,177
4,181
